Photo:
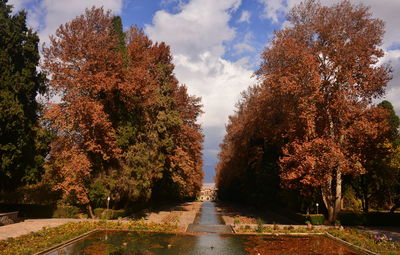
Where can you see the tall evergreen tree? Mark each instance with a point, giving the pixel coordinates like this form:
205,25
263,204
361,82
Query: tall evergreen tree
20,83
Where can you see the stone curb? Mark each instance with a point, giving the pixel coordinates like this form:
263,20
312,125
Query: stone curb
63,244
358,248
286,227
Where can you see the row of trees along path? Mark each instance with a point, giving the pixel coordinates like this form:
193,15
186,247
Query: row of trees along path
310,120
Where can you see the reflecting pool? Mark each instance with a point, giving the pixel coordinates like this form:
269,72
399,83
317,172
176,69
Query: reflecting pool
125,242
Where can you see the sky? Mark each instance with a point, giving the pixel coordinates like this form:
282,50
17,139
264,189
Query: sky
216,45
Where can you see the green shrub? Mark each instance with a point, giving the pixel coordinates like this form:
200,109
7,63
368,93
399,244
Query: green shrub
30,211
260,225
317,219
110,214
369,219
98,193
41,211
66,212
98,212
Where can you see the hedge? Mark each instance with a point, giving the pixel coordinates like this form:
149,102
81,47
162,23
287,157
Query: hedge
102,213
369,219
41,211
316,219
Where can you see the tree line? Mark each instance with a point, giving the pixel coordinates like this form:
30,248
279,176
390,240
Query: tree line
116,121
310,130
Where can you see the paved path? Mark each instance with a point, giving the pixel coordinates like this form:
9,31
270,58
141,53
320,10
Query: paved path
184,214
392,232
27,226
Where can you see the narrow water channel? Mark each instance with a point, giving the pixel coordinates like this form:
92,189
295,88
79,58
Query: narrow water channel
208,215
209,220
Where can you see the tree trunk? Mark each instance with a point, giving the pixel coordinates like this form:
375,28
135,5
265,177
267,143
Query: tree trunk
89,208
327,197
332,196
366,204
396,205
365,198
338,195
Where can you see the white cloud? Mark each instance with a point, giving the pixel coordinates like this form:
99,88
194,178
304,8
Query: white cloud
196,35
47,16
274,8
393,91
244,45
18,4
218,81
201,26
59,12
245,17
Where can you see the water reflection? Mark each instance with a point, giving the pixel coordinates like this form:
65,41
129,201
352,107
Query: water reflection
128,243
216,244
208,220
208,215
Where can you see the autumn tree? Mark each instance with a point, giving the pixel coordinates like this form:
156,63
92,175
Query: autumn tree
380,184
123,116
22,140
85,69
322,72
339,46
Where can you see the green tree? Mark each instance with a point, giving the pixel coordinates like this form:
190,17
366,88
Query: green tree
376,187
21,149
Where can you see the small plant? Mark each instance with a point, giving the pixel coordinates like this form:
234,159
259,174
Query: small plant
381,238
236,221
260,225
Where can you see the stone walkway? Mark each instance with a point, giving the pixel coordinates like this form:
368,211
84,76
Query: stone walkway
27,226
183,214
391,232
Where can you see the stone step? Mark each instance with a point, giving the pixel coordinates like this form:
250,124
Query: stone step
196,228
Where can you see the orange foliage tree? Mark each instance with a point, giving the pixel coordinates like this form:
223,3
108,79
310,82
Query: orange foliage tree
317,79
122,118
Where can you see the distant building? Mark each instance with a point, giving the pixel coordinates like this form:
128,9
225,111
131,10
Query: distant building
208,192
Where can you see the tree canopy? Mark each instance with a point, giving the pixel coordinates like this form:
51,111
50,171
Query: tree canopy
125,126
312,114
22,141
